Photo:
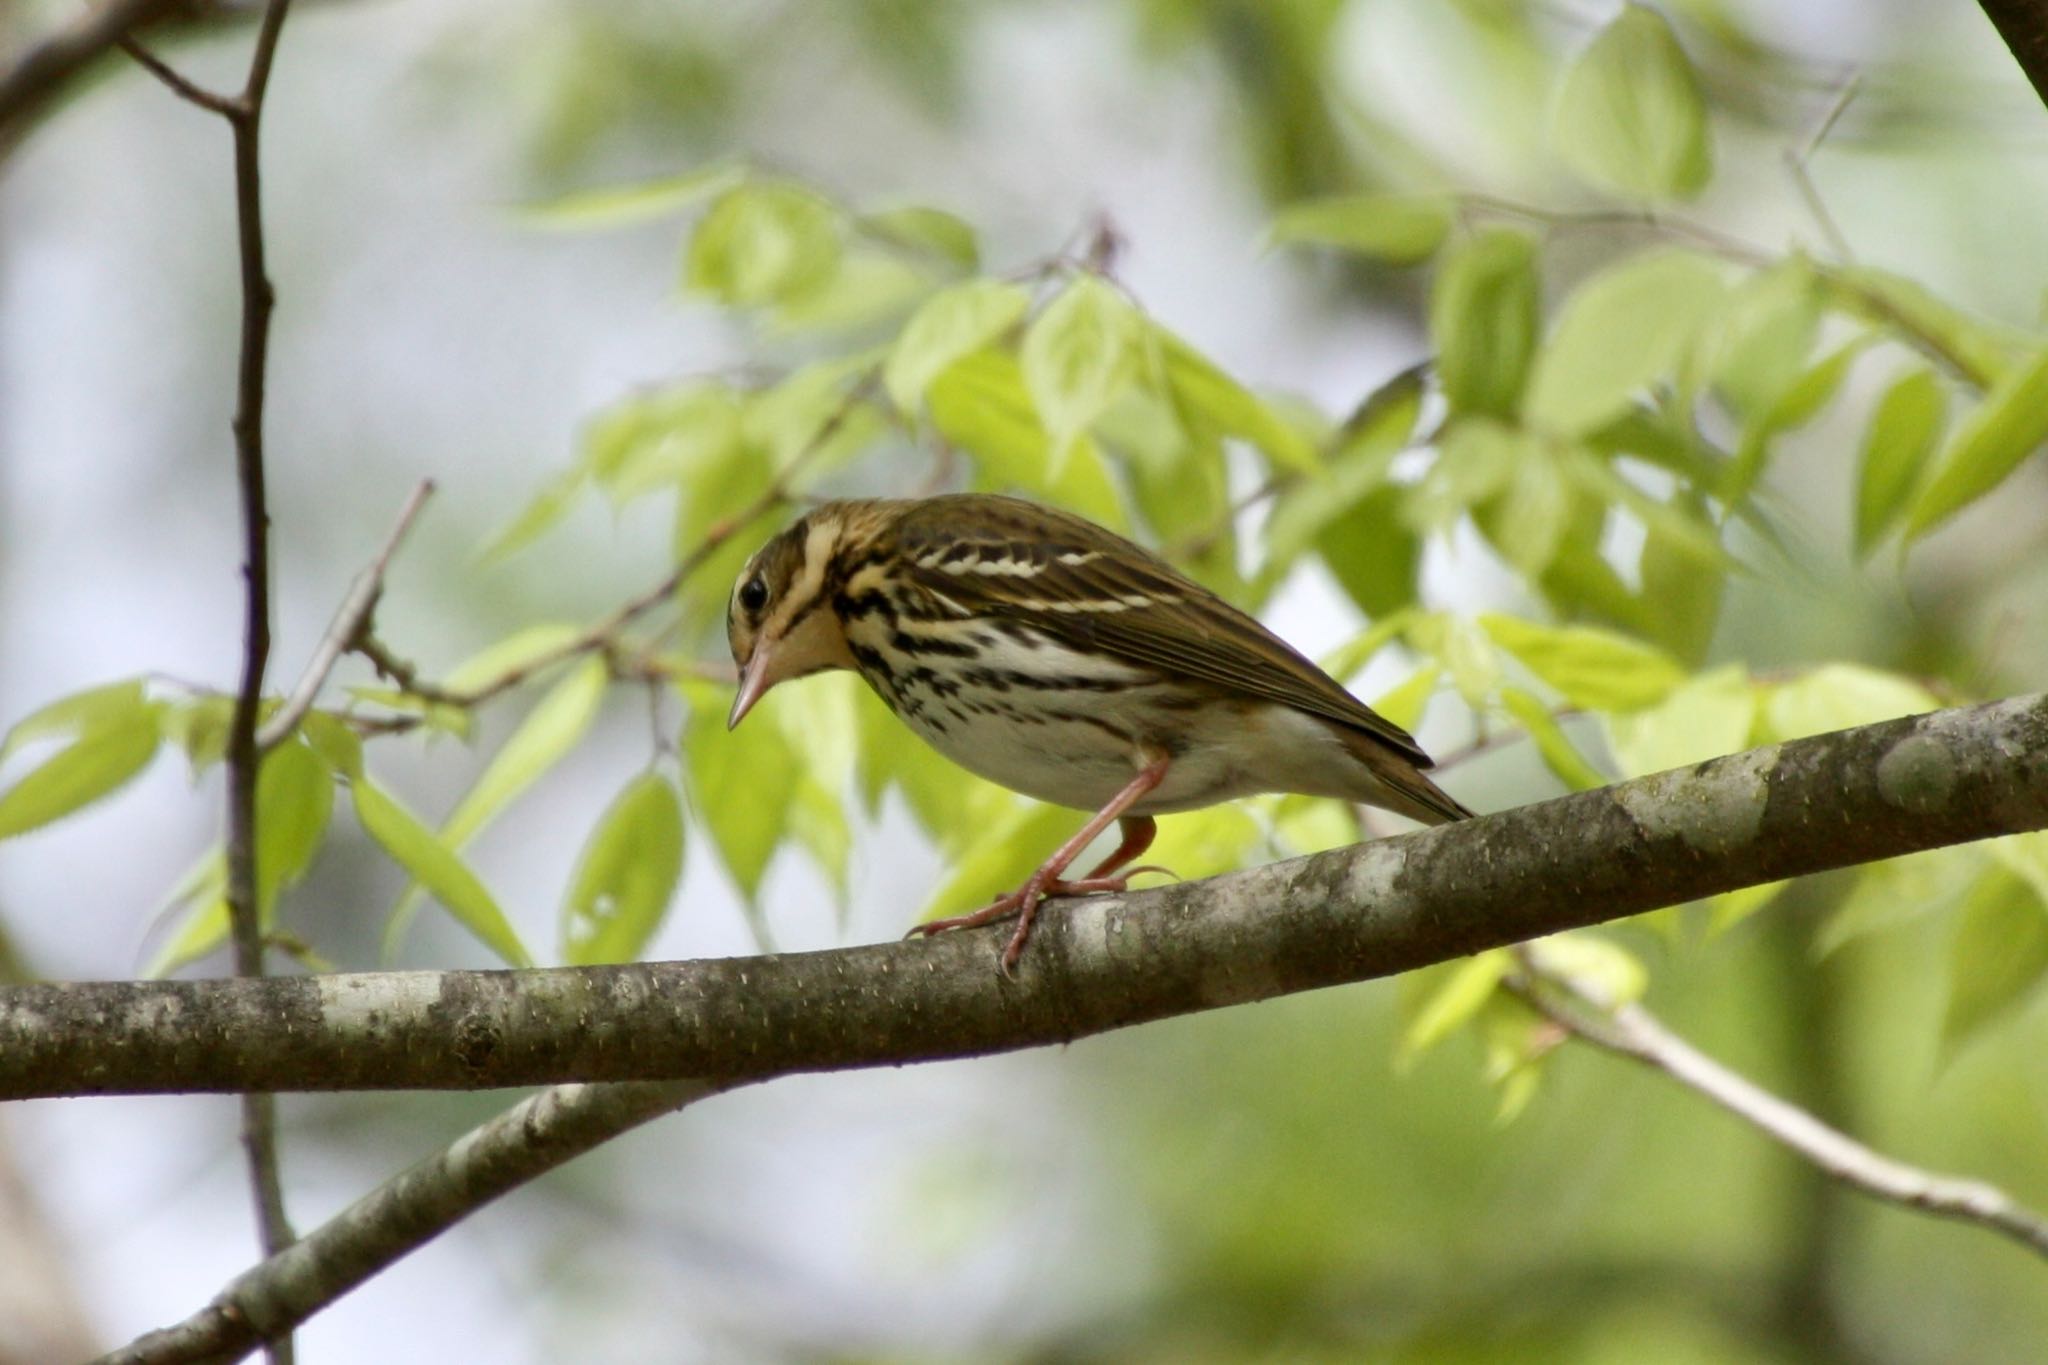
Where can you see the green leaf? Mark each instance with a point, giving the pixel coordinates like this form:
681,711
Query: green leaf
1758,347
817,821
541,514
1558,752
613,206
203,888
1311,824
1981,350
1211,397
1710,715
1903,431
1999,957
1594,669
1355,653
1483,317
1450,996
516,653
438,868
1400,229
1989,443
108,704
199,727
112,747
1360,457
1620,332
1682,595
294,801
662,440
550,731
339,747
1372,553
1899,891
743,783
1731,908
626,876
1078,355
999,857
1476,457
2026,856
764,242
1676,522
1630,115
1837,697
928,231
980,405
1199,843
1597,967
1404,703
1527,520
952,323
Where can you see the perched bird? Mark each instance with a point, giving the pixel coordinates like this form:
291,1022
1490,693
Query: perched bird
1062,661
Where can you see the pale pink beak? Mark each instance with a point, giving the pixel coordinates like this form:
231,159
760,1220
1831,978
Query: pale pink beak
754,683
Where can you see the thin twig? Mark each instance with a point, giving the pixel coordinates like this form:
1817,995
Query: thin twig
603,634
1629,1030
244,115
1796,164
350,621
43,69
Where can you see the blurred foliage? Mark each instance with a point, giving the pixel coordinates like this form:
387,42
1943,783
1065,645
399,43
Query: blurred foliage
1613,420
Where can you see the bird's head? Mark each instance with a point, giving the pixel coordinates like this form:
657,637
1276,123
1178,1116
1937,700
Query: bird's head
780,621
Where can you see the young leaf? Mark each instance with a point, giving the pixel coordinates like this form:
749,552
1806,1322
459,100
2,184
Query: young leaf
114,748
517,652
1621,331
550,731
1372,552
930,231
1904,428
1630,115
1837,697
764,242
1483,318
108,704
2000,954
999,856
1361,454
1404,703
204,889
1078,355
1710,715
1400,229
1210,396
627,875
742,783
339,747
294,800
951,323
436,867
1453,995
613,206
1558,752
199,727
1591,668
1989,443
980,404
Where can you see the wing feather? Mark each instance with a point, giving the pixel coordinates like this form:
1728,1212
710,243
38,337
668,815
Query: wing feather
1089,588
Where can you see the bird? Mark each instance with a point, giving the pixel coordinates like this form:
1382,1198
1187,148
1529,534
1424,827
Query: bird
1063,661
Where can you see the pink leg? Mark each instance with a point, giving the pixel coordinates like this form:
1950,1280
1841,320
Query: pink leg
1023,902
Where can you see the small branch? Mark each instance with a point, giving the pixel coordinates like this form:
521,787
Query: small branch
2023,24
244,115
1796,164
533,1137
351,620
604,633
1629,1030
41,71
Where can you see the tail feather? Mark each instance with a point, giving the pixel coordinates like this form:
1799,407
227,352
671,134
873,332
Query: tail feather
1398,785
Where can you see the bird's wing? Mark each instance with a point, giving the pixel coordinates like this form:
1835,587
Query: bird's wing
1091,589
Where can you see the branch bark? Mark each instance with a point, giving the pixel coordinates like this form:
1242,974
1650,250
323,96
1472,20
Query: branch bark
2023,24
38,73
1371,910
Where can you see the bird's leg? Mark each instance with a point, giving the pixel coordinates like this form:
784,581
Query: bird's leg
1139,832
1024,901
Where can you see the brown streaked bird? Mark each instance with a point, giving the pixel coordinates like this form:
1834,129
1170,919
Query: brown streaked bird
1062,661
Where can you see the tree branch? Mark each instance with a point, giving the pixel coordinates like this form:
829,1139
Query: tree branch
244,116
351,619
2023,24
1629,1030
39,72
1371,910
535,1135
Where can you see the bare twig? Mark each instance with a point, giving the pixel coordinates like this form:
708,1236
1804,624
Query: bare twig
1629,1030
604,633
244,115
43,69
1796,164
351,619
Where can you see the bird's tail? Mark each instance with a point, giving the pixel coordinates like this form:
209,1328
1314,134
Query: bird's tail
1400,786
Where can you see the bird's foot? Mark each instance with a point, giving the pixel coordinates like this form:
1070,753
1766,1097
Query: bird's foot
1023,903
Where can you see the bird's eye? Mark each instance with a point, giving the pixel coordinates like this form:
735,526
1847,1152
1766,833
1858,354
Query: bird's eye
753,595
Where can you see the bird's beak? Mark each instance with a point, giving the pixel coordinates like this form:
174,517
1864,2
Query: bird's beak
754,681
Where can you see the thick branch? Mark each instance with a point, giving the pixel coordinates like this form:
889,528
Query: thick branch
1375,909
536,1134
2024,26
